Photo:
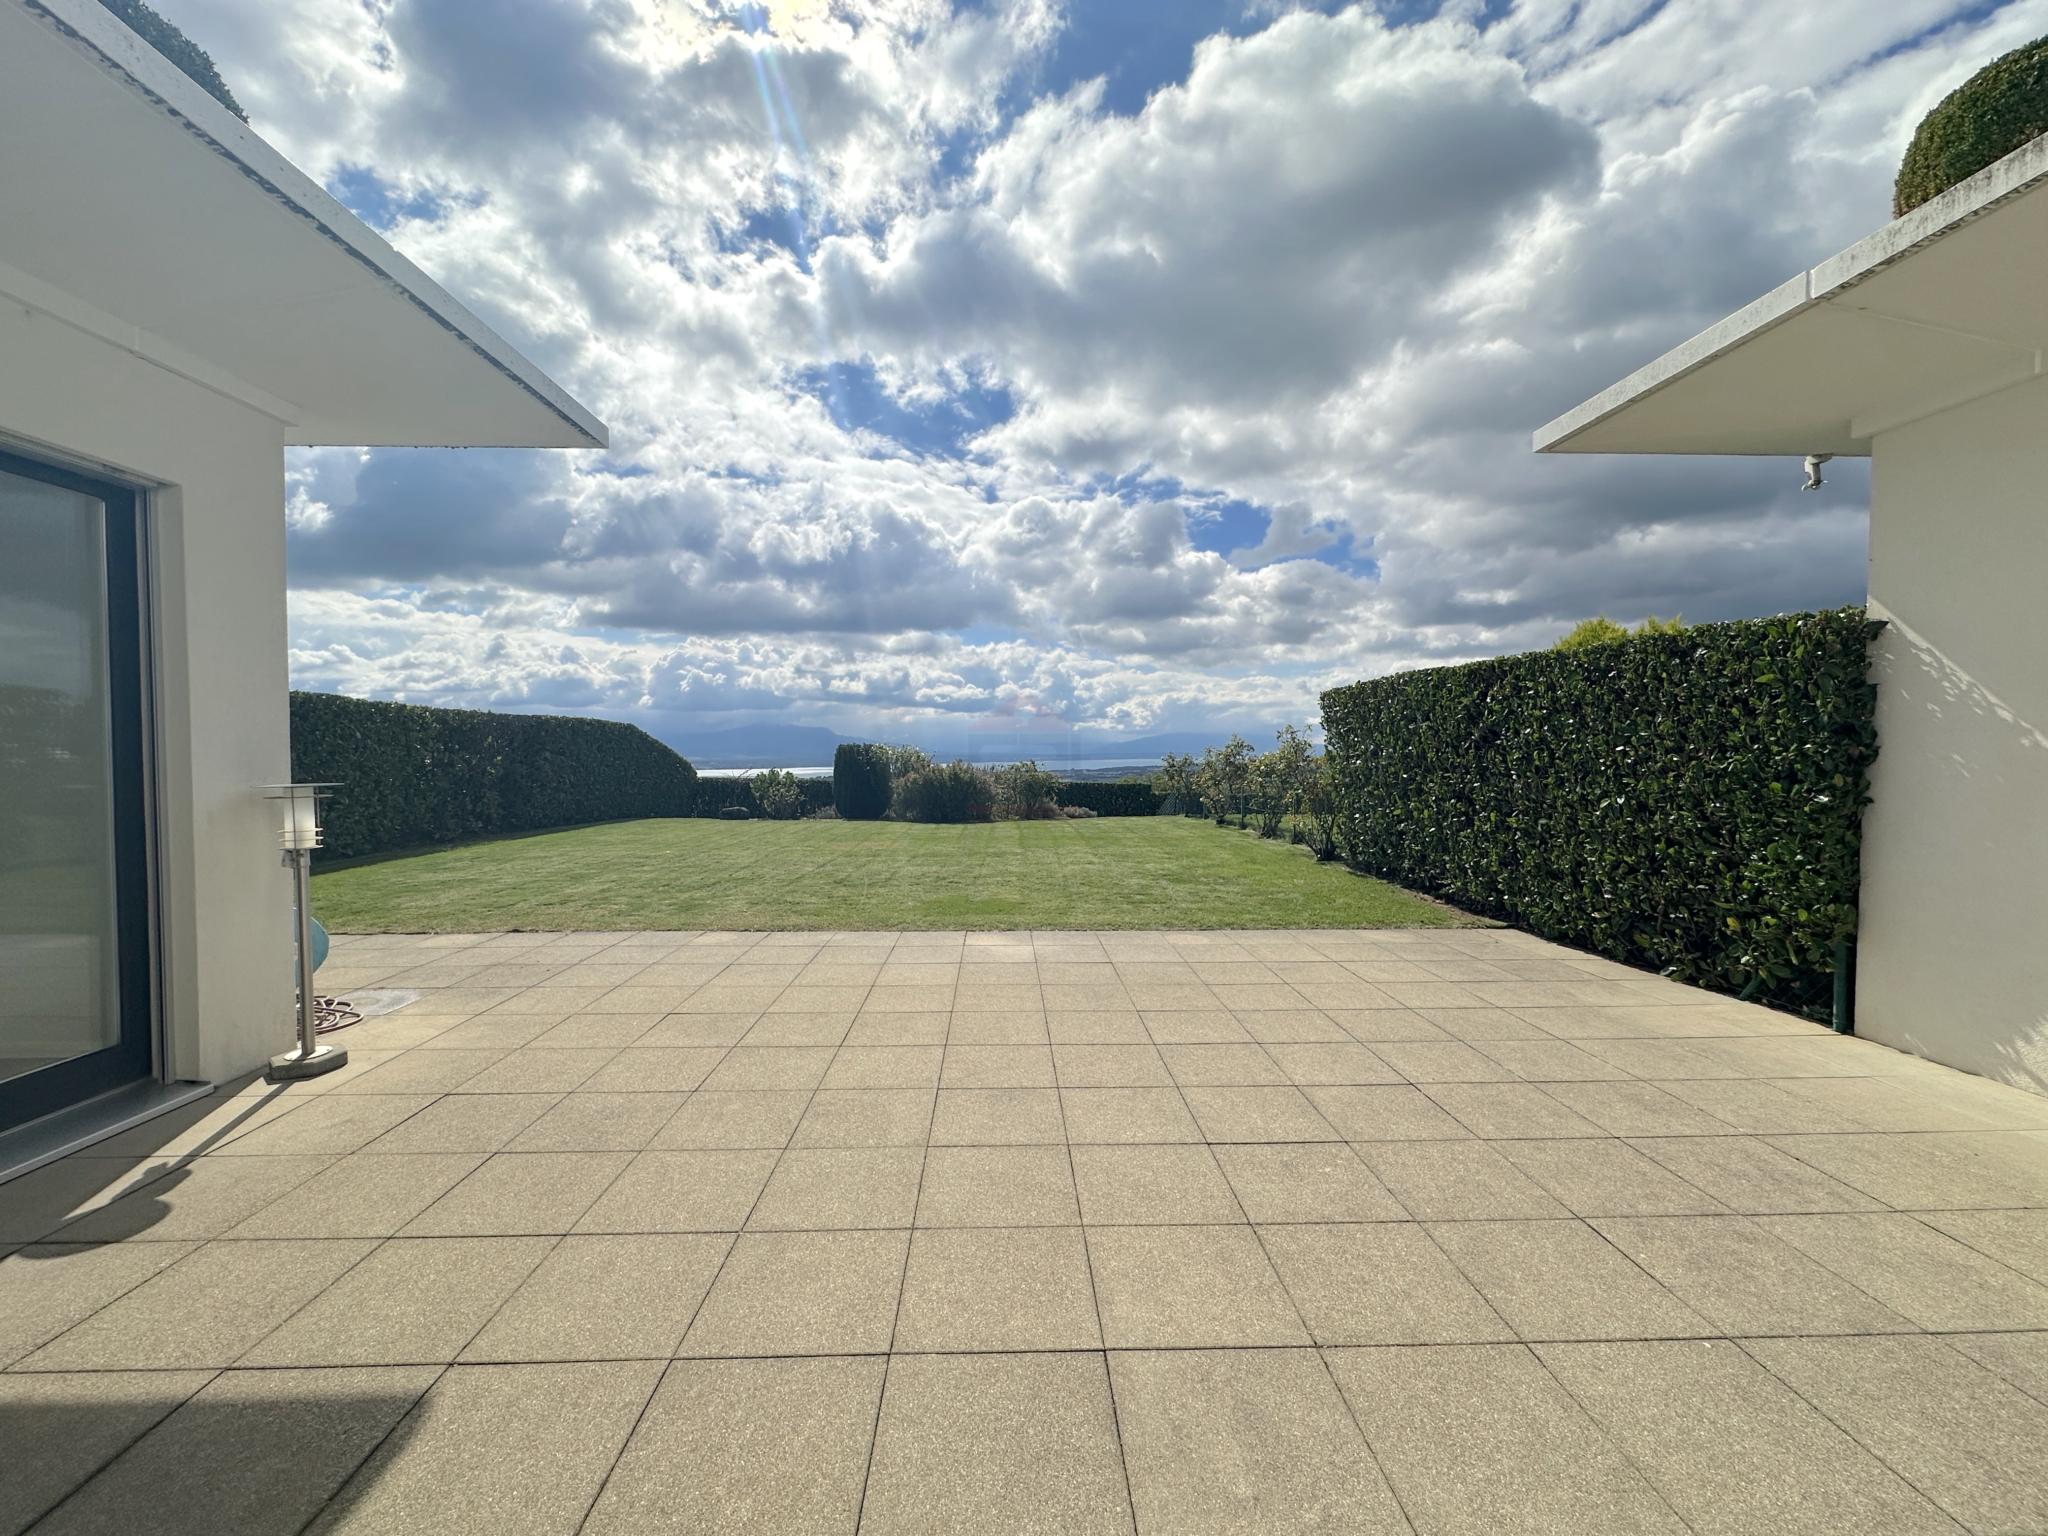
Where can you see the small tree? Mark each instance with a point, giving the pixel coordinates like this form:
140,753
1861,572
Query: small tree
1319,806
860,781
779,793
1175,782
955,791
1588,633
1221,778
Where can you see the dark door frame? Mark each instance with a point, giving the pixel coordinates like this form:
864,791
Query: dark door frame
48,1089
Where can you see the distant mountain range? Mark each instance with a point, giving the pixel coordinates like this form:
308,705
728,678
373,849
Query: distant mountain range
806,746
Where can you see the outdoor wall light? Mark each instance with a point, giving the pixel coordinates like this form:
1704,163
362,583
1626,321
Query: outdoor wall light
298,835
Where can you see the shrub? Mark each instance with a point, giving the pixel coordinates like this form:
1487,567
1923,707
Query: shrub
734,813
194,61
1274,781
1688,802
1130,798
1077,813
1221,776
860,781
1024,792
1991,114
412,776
779,793
1602,630
716,791
1319,808
948,792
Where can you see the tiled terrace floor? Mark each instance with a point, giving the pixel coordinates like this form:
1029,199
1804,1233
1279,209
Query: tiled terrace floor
1251,1232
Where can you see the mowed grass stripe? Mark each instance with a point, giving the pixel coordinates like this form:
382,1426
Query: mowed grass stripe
1113,872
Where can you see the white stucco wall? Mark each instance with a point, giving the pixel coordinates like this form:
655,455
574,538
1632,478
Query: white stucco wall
1953,953
217,518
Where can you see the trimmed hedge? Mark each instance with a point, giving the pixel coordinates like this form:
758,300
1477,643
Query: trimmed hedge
860,781
1688,802
412,776
1986,118
193,60
716,791
1104,799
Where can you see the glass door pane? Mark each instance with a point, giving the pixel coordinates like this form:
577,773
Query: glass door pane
69,793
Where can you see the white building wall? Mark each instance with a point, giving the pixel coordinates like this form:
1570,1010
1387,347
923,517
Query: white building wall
217,518
1953,953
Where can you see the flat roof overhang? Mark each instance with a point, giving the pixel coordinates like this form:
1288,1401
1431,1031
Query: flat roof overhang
135,207
1941,307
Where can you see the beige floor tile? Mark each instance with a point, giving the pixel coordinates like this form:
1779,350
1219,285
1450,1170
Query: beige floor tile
900,1029
445,1468
1925,1275
771,1067
1456,1181
1941,1170
463,1123
1745,1281
195,1199
591,1121
1194,1026
2017,1239
1751,1176
698,1031
1448,1061
682,1190
1563,1280
1732,1448
1369,1026
1482,1442
1385,1113
1498,1111
605,1298
1110,1066
60,1429
1188,1287
1245,1440
654,1069
997,1443
2020,1358
435,1071
1956,1431
998,1066
1378,1283
45,1289
517,1194
205,1310
802,1293
747,1448
1257,1114
252,1453
978,1020
367,1194
885,1066
1202,1066
1637,1109
1114,1026
535,1069
1152,1186
997,1288
1319,1065
414,1301
1606,1177
1300,1026
1316,1181
815,1028
335,1123
998,1117
817,1189
866,1117
711,1118
997,1187
1127,1115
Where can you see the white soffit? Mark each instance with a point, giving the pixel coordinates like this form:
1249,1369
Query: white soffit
135,207
1938,308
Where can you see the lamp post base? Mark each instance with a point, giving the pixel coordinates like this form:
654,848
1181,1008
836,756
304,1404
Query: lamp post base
293,1065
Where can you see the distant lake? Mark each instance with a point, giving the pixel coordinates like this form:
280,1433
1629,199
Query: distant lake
1050,765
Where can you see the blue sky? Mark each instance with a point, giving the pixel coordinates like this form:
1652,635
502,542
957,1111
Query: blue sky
1136,365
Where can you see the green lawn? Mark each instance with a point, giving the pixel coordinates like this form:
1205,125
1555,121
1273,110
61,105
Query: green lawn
1113,872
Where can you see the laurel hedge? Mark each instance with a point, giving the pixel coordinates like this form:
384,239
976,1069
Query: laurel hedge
412,776
1986,118
717,792
860,781
1688,802
1133,799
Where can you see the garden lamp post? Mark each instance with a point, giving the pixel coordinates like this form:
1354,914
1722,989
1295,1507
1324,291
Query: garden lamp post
299,835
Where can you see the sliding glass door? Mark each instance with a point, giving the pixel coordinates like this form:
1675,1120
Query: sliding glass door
74,938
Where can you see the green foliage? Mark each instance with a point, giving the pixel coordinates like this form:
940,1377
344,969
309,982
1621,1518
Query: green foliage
412,776
945,792
1319,808
1991,114
860,781
718,791
1656,626
1275,780
1602,630
1687,802
1025,792
174,45
1175,782
1125,799
1221,778
779,793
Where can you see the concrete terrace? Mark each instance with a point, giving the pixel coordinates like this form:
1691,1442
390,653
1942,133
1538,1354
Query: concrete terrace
1451,1231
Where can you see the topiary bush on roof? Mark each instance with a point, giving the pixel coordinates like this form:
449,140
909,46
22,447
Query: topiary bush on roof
1991,114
